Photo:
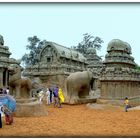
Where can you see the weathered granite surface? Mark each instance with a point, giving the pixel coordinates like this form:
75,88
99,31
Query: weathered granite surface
119,78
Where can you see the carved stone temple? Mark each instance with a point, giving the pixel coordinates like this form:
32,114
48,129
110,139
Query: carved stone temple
119,78
55,63
95,65
114,78
5,61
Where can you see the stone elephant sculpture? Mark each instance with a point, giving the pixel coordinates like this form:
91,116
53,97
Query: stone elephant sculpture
78,86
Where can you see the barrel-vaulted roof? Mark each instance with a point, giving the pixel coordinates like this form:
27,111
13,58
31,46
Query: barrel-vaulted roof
66,52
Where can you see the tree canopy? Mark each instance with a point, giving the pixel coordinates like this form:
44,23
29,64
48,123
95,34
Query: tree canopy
88,41
34,48
138,67
35,45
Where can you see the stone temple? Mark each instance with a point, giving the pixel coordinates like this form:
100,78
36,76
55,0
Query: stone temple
5,61
115,78
95,65
55,63
119,78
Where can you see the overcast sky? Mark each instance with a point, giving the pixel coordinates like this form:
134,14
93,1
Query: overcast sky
65,24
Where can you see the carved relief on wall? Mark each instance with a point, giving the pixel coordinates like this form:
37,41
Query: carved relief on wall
48,55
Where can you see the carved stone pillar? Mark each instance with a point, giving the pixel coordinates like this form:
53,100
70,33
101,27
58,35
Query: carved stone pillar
6,78
1,77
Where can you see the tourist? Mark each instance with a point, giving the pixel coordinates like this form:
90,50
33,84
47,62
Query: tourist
4,91
8,115
1,91
55,94
8,118
60,97
7,90
51,95
0,120
40,96
0,115
126,102
48,97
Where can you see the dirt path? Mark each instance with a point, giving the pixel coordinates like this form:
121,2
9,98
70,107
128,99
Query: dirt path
76,121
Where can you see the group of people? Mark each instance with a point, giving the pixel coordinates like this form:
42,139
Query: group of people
4,90
55,95
7,114
4,111
52,95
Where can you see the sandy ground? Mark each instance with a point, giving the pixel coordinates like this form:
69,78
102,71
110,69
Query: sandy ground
77,121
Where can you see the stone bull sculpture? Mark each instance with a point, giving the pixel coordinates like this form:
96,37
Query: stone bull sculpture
78,86
19,87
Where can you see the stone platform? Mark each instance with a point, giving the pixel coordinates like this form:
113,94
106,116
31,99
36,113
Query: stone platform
133,101
29,107
87,100
81,100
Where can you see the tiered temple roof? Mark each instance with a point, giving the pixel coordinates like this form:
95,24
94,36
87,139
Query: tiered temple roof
119,78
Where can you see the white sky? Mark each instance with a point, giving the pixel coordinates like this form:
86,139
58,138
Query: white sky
65,24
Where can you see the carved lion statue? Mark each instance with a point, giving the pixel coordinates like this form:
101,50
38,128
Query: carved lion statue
19,87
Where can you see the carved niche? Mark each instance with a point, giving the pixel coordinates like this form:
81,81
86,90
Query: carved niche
48,55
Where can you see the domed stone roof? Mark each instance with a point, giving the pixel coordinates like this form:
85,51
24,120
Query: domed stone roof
117,44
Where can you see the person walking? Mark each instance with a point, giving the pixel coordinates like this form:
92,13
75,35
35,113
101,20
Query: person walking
48,97
0,115
60,97
7,90
51,95
9,118
55,94
126,102
40,96
1,91
4,91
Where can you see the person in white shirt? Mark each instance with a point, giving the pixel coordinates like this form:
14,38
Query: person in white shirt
48,97
40,96
7,90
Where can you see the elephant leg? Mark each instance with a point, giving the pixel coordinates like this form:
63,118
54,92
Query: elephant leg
68,91
73,96
74,99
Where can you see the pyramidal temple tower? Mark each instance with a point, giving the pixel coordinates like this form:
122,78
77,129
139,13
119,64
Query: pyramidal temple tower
95,63
119,78
5,61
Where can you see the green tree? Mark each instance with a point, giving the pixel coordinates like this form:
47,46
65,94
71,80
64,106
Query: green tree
88,41
138,67
34,48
